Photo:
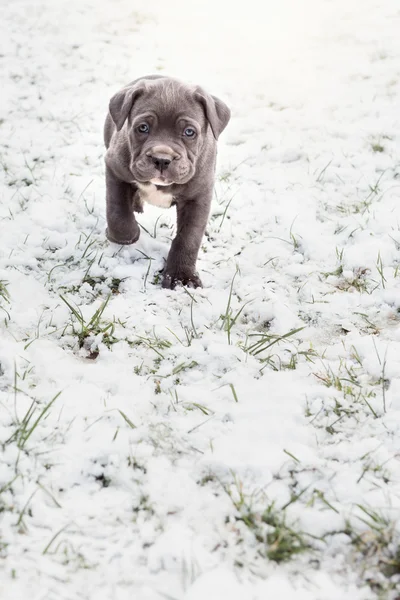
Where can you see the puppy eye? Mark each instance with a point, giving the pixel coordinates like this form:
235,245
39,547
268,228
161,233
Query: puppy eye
143,128
189,132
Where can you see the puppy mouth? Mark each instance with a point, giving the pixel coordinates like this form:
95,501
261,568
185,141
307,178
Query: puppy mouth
161,181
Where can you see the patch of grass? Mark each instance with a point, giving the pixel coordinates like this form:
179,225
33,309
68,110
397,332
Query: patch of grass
283,541
18,182
379,268
233,390
113,283
153,342
377,146
20,524
132,462
264,342
95,327
157,278
375,187
25,427
294,241
377,549
67,554
225,212
184,367
373,538
4,297
53,539
370,466
358,281
290,359
3,549
362,206
354,385
229,318
191,333
4,506
103,480
349,386
127,419
278,540
383,380
99,285
370,327
143,507
209,478
188,406
321,174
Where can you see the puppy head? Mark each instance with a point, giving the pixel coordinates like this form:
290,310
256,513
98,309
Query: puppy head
168,126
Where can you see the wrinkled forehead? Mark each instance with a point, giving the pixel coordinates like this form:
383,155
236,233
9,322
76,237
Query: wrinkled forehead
169,99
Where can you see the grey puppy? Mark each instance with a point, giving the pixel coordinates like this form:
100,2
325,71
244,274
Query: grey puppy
161,137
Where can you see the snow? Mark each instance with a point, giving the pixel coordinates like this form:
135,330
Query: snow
168,432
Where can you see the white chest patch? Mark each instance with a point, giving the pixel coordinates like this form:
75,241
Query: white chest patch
150,194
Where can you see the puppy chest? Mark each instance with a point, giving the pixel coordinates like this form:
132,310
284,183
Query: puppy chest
157,197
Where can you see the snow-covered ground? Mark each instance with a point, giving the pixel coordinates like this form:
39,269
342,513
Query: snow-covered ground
240,441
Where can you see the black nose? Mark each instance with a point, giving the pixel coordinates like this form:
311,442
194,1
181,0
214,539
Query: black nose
161,163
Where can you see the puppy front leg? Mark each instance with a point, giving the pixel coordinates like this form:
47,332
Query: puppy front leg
181,263
122,227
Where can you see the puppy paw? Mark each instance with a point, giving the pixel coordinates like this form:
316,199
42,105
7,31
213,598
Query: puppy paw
171,280
123,242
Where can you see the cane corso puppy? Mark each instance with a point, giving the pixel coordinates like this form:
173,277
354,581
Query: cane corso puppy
161,137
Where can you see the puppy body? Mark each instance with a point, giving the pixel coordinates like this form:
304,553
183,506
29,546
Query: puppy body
161,138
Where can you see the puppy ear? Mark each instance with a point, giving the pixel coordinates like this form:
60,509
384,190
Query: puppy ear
121,104
217,113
